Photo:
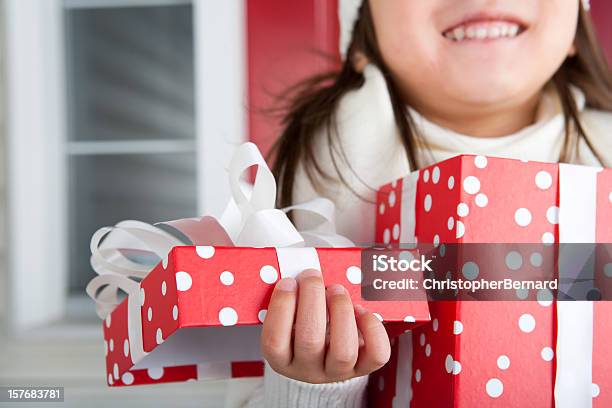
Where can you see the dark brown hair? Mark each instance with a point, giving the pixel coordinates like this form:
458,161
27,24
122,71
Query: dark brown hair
314,101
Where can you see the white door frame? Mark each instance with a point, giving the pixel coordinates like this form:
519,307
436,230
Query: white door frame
36,142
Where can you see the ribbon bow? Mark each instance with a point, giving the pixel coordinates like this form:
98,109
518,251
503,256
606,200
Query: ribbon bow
124,254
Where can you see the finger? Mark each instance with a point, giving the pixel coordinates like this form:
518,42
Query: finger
278,324
376,349
310,321
343,343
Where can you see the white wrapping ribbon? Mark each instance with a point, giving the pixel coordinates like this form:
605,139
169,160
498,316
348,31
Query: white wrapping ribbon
574,348
408,211
249,219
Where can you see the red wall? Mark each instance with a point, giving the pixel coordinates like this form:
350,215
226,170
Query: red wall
601,12
283,40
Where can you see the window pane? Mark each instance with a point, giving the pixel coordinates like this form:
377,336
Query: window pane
130,73
105,189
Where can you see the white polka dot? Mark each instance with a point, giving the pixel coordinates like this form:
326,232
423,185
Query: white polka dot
544,297
126,347
514,260
547,354
503,362
226,278
378,316
449,363
159,337
427,202
435,325
522,217
163,288
142,296
451,182
115,371
391,198
149,313
409,319
228,316
543,180
470,270
548,238
353,274
268,274
436,240
480,162
463,210
426,175
481,200
417,375
108,320
394,184
442,249
456,367
594,390
422,339
457,327
396,231
183,281
435,175
127,378
386,236
205,252
155,373
471,185
110,379
428,350
262,315
175,312
165,262
381,383
111,345
105,348
495,388
381,208
450,223
526,323
536,259
608,270
522,293
460,232
552,215
610,197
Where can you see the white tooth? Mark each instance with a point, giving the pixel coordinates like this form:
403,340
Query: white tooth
459,33
449,35
494,32
503,30
513,30
470,32
481,33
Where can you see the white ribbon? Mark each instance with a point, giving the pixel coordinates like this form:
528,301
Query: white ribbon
574,348
249,219
408,211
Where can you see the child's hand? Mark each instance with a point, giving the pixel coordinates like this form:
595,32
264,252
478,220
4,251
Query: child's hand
298,341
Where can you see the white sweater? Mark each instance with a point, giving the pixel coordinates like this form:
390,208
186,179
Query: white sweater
371,143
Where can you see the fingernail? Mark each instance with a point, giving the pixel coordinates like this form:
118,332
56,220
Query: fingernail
336,289
308,273
360,310
287,285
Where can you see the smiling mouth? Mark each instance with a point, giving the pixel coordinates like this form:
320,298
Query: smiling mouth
484,30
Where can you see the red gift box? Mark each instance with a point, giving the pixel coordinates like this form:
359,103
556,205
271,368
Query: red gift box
503,354
196,315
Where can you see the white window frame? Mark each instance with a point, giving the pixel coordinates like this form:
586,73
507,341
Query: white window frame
37,142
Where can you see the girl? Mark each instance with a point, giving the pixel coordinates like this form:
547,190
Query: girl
421,81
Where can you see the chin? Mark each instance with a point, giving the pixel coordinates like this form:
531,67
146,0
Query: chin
486,89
